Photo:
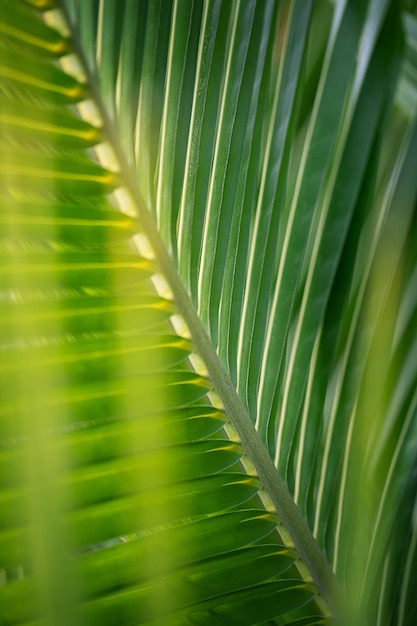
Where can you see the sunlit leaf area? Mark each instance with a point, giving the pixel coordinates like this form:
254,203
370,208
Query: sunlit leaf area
208,320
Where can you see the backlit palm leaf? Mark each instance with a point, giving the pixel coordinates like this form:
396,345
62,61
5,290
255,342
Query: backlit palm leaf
183,181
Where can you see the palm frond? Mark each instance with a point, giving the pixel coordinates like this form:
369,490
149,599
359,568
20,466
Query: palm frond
220,237
111,454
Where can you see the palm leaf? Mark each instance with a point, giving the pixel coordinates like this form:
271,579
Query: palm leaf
236,251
